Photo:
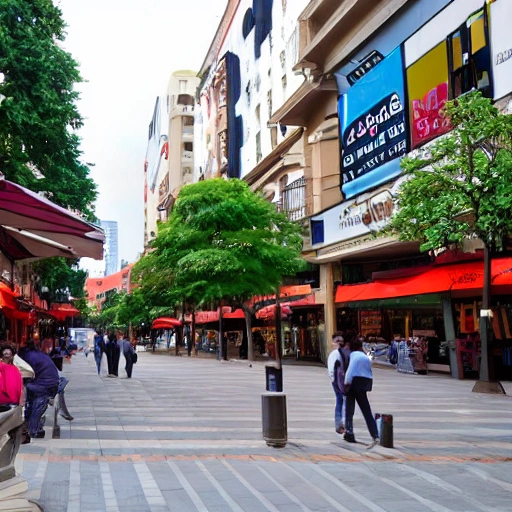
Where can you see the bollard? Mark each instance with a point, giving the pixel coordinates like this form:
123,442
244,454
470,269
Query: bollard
385,426
274,421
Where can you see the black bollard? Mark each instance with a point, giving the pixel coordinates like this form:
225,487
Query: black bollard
275,425
385,425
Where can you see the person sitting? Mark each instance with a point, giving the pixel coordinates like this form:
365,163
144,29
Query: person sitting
39,391
11,381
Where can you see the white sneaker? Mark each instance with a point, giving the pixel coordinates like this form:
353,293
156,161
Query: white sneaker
373,443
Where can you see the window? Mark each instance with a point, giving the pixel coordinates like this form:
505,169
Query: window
258,147
293,198
317,232
188,121
188,146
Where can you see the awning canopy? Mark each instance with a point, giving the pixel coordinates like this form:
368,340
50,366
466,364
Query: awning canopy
269,312
206,317
166,322
46,228
7,297
467,276
63,311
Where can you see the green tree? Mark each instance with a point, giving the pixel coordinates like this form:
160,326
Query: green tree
38,115
222,242
460,188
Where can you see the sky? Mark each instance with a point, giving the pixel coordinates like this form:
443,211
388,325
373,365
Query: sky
127,50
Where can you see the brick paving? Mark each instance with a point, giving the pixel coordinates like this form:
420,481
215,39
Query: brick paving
185,434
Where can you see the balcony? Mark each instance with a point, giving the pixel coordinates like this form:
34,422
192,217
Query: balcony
293,201
187,156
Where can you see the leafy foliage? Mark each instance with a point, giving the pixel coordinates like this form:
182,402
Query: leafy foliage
39,113
461,185
61,273
221,241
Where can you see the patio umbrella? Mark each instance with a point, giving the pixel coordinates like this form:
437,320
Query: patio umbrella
42,227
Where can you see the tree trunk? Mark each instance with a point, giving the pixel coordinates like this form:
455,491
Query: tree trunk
486,382
248,327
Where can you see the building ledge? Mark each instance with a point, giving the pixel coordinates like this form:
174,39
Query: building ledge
273,157
296,109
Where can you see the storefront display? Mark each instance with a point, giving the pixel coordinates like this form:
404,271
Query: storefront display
370,323
412,356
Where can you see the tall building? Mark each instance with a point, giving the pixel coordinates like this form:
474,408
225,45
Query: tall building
169,160
110,249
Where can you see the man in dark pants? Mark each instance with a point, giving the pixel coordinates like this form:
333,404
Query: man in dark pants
113,353
358,381
99,348
128,351
39,391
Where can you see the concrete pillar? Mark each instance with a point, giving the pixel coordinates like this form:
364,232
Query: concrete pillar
327,296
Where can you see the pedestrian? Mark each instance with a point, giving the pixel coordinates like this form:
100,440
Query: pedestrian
11,381
39,391
358,382
128,352
337,364
187,336
113,353
99,348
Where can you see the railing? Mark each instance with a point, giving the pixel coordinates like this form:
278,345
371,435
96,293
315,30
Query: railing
293,200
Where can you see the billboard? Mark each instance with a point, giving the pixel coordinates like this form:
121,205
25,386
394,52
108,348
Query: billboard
501,43
373,127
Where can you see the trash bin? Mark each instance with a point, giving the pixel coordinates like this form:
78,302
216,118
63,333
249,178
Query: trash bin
274,419
274,378
385,428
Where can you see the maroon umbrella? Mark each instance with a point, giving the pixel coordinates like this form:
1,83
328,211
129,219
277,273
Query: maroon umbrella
42,228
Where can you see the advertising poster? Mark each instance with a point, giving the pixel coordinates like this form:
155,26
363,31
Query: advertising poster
427,85
501,44
373,127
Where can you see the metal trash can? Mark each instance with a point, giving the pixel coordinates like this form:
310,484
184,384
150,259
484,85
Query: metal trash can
274,419
385,429
274,378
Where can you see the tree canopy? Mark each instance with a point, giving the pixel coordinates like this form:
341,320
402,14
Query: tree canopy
38,115
460,186
222,241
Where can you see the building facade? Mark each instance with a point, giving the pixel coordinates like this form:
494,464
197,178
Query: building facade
169,162
97,289
111,247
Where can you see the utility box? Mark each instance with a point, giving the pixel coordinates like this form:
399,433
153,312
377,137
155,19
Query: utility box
274,419
274,378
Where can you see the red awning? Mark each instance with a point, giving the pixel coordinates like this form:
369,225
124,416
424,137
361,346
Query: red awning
7,297
434,279
166,322
206,317
62,311
269,312
38,224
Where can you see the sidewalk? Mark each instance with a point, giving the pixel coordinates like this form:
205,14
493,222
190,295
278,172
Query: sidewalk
185,434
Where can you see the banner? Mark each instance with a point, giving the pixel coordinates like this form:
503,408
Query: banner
373,127
501,44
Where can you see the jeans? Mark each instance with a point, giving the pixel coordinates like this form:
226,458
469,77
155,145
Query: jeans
34,412
362,400
339,413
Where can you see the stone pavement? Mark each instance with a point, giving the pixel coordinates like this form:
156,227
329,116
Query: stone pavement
185,435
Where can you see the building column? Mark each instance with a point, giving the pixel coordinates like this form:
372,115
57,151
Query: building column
327,287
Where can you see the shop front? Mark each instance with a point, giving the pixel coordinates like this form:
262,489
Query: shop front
433,312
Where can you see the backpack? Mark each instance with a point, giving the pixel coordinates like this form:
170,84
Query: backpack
339,372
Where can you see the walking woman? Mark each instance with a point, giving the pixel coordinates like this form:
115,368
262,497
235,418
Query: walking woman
358,381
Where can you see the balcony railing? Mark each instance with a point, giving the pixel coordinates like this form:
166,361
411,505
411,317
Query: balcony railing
293,200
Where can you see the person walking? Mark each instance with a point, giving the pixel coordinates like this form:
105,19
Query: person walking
113,353
337,364
39,391
99,348
128,352
358,381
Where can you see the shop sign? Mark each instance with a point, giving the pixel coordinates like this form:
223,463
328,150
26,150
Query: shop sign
373,127
501,44
358,217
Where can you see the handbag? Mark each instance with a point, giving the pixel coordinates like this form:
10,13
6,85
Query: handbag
135,357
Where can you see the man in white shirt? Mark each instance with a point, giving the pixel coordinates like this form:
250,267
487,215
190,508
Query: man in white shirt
338,361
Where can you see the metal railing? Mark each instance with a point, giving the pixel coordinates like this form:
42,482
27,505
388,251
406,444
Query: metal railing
293,200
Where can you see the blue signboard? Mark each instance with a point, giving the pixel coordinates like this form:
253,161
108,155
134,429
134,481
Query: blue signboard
373,126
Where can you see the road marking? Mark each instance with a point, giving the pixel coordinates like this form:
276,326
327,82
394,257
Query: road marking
488,478
74,487
227,498
435,480
359,497
319,491
108,488
196,500
424,501
269,506
284,490
149,486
